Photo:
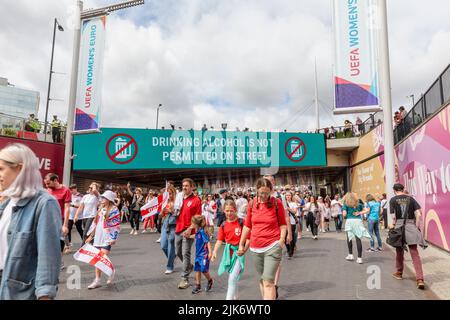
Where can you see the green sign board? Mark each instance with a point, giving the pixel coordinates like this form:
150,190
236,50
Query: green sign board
127,149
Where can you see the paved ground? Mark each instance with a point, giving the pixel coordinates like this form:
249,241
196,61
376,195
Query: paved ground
436,269
318,271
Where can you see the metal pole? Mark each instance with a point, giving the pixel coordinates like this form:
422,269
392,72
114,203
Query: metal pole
72,97
49,81
316,96
157,116
386,102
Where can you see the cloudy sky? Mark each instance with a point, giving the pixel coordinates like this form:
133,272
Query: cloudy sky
249,63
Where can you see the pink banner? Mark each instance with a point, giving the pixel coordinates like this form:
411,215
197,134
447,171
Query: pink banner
424,168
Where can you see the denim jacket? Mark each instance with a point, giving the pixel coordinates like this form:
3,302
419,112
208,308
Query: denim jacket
33,261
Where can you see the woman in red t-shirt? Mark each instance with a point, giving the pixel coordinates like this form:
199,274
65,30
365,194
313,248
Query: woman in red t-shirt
266,219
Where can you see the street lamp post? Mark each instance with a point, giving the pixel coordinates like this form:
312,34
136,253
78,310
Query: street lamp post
80,15
157,115
60,28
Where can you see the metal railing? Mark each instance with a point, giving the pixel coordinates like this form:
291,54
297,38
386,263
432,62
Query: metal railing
434,98
342,132
17,127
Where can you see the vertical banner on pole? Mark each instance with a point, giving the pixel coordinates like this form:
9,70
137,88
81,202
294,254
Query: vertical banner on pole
89,95
356,56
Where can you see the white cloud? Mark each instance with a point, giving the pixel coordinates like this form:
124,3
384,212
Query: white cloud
247,63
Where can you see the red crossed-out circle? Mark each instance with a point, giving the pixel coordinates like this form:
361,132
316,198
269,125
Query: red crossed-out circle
290,154
112,157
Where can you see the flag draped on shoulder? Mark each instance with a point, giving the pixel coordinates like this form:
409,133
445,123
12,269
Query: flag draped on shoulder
111,225
155,205
95,257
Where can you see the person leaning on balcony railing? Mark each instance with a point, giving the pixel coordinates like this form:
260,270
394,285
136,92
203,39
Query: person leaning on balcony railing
32,124
332,133
348,132
397,119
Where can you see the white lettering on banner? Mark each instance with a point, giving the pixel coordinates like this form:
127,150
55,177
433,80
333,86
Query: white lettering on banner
445,178
423,181
365,174
88,96
211,147
45,164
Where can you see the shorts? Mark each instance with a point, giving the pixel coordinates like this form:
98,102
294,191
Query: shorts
105,248
267,263
201,265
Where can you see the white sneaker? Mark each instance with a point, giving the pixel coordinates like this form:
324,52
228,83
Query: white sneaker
136,232
350,257
110,279
168,272
159,240
95,284
359,260
132,231
144,231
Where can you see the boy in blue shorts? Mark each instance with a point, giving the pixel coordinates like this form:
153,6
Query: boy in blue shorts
202,253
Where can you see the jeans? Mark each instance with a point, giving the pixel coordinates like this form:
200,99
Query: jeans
168,243
374,229
415,259
232,292
338,222
79,229
135,218
183,247
358,246
290,246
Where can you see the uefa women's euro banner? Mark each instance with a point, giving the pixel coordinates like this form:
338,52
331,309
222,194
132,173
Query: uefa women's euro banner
422,165
356,67
90,68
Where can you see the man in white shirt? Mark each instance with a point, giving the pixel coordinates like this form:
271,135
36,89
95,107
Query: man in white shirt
336,212
383,208
241,205
88,209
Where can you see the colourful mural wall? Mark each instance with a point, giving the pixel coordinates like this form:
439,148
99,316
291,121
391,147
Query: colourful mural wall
422,165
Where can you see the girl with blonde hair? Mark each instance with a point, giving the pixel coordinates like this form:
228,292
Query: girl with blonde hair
354,227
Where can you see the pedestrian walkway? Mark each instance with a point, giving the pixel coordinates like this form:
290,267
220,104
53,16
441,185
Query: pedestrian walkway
436,269
317,271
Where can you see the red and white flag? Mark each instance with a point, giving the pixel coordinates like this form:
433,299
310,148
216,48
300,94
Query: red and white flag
95,257
155,205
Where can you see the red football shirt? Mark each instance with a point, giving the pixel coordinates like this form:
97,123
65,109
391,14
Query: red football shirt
230,232
63,196
191,206
265,223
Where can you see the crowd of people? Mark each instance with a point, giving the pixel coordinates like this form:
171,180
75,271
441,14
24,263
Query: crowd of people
264,221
